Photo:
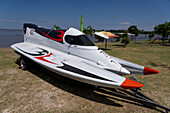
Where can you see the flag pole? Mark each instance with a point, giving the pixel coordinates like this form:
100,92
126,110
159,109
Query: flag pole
81,23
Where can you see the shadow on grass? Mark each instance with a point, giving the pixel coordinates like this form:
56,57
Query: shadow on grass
165,45
78,88
118,46
154,42
75,87
138,43
105,49
158,65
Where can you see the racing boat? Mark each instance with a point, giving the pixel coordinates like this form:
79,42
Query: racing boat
71,54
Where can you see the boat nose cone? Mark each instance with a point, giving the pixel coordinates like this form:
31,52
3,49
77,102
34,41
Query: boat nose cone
124,71
148,71
131,84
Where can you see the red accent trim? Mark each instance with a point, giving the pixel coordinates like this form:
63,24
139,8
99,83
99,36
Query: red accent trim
112,36
148,71
131,84
59,40
42,58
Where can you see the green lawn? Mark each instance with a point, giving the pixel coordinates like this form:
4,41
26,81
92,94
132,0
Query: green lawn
37,91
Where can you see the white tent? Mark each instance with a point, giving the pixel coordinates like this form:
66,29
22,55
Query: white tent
103,36
130,34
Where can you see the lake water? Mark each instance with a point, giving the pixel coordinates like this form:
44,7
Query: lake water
9,37
12,36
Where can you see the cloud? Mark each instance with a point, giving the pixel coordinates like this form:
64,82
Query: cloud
125,23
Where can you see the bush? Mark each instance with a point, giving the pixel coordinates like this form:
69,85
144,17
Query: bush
126,40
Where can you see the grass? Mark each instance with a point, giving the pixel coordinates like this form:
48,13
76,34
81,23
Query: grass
37,90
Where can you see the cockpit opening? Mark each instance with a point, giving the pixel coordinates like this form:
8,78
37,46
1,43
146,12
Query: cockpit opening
81,40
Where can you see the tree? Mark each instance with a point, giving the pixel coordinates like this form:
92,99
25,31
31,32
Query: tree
88,30
134,30
125,40
151,35
163,29
56,27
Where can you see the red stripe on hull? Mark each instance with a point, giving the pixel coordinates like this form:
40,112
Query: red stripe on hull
42,58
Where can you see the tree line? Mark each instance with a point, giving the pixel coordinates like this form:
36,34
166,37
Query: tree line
161,29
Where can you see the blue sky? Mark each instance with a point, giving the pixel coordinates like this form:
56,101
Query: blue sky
100,14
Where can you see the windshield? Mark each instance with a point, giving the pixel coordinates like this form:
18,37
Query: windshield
82,40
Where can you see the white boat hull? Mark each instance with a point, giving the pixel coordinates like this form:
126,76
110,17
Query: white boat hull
54,62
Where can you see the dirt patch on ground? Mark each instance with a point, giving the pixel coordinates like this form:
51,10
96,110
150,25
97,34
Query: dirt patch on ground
11,71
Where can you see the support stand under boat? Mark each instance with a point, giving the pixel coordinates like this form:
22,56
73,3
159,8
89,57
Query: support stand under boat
24,63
